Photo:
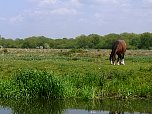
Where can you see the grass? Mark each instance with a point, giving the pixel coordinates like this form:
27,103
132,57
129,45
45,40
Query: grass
83,74
31,84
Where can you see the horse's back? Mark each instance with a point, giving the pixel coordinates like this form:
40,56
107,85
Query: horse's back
122,44
119,46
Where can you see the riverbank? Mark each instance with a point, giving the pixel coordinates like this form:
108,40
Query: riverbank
83,74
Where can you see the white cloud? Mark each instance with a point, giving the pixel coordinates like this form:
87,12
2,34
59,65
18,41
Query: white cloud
147,4
149,1
55,7
16,19
102,2
107,1
2,19
44,3
47,2
12,20
64,11
75,3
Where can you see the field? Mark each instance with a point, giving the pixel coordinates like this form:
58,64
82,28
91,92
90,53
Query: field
76,73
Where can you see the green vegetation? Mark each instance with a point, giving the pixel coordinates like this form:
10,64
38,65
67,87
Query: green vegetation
31,84
92,41
54,73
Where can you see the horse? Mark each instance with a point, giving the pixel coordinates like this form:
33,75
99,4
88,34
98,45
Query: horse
118,48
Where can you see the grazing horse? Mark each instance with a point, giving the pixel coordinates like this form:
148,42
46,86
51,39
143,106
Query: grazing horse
118,48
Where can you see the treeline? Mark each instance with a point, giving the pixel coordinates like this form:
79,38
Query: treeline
92,41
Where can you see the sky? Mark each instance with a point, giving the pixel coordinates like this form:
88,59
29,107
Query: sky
71,18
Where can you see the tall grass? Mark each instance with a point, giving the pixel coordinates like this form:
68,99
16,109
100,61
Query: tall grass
31,83
59,75
37,84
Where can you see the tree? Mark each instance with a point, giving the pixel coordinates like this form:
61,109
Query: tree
93,40
109,39
82,41
146,40
131,39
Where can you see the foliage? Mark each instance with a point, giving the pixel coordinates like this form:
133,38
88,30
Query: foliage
31,84
92,41
146,41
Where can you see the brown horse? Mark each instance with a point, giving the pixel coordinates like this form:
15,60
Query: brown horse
118,48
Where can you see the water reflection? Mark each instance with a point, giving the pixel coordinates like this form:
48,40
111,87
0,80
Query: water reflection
74,106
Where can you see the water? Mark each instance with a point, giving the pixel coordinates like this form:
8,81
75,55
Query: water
75,106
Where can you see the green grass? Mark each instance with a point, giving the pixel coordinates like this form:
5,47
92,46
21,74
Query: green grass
74,74
31,84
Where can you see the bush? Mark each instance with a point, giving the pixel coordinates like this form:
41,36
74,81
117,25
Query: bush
32,84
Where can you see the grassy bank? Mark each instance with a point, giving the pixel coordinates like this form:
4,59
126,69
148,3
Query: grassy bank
74,73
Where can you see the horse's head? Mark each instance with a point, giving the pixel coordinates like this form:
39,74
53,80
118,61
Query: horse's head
112,59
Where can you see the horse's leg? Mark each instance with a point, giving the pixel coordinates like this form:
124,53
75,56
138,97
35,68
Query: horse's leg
114,59
122,59
118,60
111,62
110,58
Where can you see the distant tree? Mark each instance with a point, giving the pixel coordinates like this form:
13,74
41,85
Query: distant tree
146,40
9,43
134,42
93,40
82,41
2,42
30,43
109,39
131,39
34,42
18,43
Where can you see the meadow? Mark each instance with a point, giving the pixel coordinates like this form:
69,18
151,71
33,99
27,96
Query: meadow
74,73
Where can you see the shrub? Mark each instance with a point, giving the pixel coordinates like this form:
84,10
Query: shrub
32,84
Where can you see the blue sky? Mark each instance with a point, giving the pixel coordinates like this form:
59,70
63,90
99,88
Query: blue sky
71,18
